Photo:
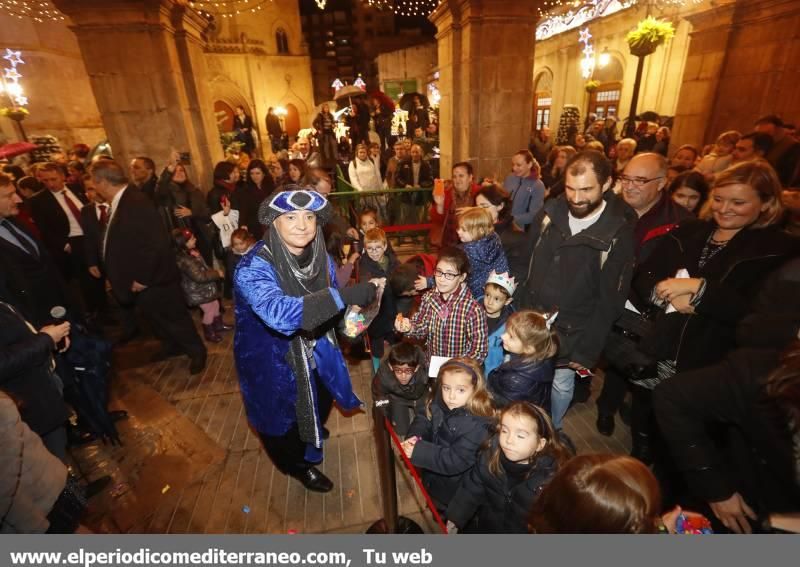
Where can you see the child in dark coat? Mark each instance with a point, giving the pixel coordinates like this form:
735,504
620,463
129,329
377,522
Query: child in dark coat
446,435
402,379
201,284
482,246
378,261
528,373
497,495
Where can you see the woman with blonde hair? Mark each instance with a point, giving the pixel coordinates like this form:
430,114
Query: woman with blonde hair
701,279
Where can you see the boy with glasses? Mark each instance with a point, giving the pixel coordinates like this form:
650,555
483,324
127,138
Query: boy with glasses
402,379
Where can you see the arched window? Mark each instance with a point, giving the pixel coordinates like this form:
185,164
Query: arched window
604,102
282,41
543,100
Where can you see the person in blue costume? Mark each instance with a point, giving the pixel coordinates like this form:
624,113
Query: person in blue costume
287,307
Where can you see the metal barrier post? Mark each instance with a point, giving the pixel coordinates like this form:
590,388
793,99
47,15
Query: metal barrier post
392,522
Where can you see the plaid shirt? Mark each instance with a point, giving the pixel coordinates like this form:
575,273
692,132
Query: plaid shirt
456,327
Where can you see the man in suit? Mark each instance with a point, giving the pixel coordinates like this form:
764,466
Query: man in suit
143,176
94,221
31,279
56,211
140,264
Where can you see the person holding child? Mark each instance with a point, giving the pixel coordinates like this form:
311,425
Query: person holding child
402,379
520,459
497,297
482,246
379,261
449,320
528,373
200,283
447,433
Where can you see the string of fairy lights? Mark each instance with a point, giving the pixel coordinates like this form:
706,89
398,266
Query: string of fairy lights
228,8
38,10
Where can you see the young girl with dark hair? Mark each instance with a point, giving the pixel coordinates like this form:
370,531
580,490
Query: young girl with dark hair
515,465
447,432
200,283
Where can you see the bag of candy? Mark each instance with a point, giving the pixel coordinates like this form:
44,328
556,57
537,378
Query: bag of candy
357,319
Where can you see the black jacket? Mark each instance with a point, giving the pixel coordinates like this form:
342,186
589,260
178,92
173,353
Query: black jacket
53,224
448,447
502,503
733,278
93,235
385,385
759,462
33,284
522,380
137,248
656,223
405,174
512,238
149,187
247,198
585,277
383,324
25,359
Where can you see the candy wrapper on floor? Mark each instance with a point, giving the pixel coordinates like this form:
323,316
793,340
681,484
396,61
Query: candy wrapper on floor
357,319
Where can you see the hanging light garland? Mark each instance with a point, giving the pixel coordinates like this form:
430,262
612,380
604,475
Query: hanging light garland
11,77
38,10
229,8
559,16
587,63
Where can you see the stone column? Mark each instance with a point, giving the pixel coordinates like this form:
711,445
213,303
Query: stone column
148,73
708,45
486,80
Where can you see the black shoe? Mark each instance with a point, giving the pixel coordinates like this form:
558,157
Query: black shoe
325,433
117,415
605,424
96,486
313,479
197,364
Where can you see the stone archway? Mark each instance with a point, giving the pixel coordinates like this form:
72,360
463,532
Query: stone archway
227,95
292,120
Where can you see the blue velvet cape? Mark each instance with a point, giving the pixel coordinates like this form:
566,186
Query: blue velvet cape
266,320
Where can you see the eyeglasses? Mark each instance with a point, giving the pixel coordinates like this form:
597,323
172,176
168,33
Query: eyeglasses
446,275
637,181
404,371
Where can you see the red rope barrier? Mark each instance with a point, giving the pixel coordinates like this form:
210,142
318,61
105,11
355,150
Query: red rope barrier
402,227
412,469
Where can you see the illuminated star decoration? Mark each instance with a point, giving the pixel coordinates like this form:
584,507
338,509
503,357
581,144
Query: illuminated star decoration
587,63
13,57
12,77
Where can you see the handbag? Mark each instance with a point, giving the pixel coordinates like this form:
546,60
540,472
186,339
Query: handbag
622,346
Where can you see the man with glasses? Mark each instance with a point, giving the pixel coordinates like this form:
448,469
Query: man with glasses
581,250
643,182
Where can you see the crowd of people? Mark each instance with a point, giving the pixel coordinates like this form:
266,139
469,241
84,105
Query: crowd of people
677,277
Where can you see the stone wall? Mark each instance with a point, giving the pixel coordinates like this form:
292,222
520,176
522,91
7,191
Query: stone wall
61,102
410,63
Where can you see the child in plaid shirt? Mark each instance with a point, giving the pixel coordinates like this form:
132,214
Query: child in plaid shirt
449,320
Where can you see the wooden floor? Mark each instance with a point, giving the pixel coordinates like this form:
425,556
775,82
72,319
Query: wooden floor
191,464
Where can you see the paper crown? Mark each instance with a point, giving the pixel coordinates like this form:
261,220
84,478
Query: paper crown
504,280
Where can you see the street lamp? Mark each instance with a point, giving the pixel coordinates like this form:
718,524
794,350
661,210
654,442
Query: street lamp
604,59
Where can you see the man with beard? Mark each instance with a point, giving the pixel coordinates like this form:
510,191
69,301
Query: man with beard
581,247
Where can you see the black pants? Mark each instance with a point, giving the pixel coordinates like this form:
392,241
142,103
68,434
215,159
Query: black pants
287,451
615,386
166,311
